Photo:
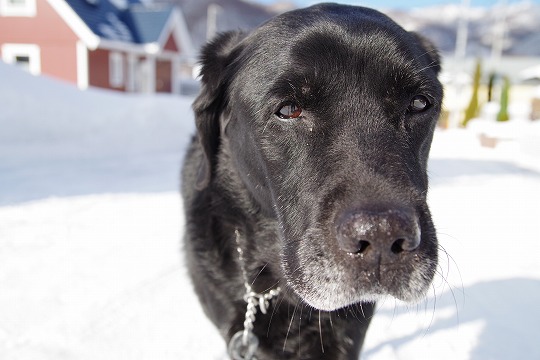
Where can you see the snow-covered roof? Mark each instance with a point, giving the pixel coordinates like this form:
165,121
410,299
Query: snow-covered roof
119,21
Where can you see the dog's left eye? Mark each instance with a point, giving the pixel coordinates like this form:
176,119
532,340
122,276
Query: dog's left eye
289,111
418,104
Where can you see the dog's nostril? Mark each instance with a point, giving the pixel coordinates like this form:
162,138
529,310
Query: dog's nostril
362,246
397,246
406,244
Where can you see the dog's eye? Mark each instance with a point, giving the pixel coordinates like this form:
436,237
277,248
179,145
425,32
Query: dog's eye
289,111
418,104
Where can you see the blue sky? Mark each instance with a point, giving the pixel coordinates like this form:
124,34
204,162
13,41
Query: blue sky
396,3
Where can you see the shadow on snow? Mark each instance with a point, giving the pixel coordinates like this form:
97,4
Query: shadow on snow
508,310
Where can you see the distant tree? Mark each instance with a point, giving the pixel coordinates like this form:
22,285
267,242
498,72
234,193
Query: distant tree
473,109
503,112
491,83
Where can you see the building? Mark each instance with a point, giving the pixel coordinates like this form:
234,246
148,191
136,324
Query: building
115,44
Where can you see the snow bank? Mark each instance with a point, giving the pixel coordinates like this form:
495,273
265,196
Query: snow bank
90,142
44,114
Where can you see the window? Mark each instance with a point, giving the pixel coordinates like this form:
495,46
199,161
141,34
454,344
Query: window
27,56
18,7
23,61
116,69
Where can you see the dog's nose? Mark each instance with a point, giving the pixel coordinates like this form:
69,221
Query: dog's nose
379,233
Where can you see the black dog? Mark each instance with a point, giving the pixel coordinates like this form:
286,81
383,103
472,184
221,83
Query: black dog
313,139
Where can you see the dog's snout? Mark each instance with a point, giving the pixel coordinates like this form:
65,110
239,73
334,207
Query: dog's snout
378,233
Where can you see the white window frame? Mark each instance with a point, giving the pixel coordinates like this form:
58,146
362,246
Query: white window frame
27,8
116,69
131,81
10,52
82,65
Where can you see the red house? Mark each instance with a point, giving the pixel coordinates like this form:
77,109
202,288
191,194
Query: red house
114,44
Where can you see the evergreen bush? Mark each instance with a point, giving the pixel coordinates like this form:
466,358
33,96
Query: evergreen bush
473,109
503,112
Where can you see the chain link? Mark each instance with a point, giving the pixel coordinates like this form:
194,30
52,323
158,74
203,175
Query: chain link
244,343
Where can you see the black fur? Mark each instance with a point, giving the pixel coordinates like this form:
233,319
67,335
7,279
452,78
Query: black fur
287,185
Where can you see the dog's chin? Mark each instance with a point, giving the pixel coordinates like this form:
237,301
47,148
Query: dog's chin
329,300
336,302
327,295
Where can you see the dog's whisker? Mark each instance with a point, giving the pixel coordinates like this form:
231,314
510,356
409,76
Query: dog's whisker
259,273
290,325
452,292
276,308
354,311
451,260
321,333
274,285
427,67
274,311
302,307
426,330
394,312
362,310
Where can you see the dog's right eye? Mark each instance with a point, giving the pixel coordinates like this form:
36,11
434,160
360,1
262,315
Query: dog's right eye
289,111
418,104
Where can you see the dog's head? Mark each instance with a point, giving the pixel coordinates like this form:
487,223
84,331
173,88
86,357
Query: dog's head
327,115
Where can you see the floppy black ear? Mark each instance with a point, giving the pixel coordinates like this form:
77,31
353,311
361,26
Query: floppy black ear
431,53
216,56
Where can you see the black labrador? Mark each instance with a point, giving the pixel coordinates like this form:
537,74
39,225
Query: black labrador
307,179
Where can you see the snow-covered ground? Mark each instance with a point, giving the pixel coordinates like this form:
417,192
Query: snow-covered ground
91,220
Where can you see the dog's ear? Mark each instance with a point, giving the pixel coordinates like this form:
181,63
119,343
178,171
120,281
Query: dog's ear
430,52
216,56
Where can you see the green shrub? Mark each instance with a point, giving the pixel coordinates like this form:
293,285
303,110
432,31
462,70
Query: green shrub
503,112
473,109
491,83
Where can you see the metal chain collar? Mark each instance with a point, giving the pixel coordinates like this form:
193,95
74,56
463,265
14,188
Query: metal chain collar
244,343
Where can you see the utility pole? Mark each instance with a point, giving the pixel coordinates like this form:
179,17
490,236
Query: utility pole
460,55
462,31
211,20
497,45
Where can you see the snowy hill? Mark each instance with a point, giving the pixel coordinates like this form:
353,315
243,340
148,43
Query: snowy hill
438,22
64,135
90,228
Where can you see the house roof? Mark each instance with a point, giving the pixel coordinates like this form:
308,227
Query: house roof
147,24
132,22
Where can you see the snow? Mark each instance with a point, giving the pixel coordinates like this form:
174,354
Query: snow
91,222
89,142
